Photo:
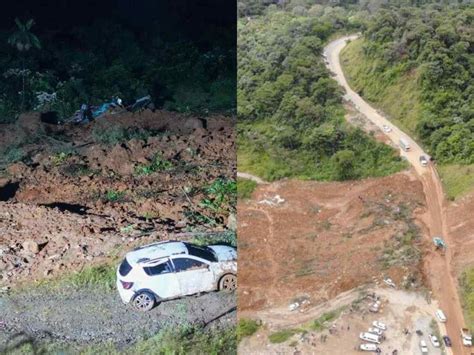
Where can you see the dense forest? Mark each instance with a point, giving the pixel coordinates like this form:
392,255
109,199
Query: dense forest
291,118
418,64
59,68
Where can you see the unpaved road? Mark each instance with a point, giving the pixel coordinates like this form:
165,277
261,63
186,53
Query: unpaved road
93,316
439,268
250,177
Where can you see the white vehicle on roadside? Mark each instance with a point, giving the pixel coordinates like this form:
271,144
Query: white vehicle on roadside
423,347
375,331
368,347
404,144
389,282
423,160
172,269
386,129
379,325
434,340
372,338
440,315
466,337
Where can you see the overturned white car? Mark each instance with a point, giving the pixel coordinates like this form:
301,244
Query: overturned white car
172,269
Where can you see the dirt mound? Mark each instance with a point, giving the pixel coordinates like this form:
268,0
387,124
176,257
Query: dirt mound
82,193
316,240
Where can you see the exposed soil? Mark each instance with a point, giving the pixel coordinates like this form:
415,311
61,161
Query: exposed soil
327,238
73,201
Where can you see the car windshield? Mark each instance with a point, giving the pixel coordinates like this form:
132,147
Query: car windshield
201,252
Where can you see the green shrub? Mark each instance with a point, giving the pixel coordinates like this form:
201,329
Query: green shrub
247,327
281,336
245,188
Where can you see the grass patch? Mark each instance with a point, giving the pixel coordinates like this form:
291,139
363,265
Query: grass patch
114,196
247,327
466,283
99,276
245,188
322,322
458,180
282,335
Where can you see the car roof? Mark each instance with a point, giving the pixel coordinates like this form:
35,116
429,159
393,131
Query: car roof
156,251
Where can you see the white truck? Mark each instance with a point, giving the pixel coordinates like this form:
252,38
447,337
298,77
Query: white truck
466,337
371,338
404,144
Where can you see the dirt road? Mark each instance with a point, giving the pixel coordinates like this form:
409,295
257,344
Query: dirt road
439,268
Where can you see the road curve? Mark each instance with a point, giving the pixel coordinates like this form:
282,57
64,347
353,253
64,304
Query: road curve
438,267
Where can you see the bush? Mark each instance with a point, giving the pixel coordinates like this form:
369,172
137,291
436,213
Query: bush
247,327
245,188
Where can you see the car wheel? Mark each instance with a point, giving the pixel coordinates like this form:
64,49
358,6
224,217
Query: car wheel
144,301
228,283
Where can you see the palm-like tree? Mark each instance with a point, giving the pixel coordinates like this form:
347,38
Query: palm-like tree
23,40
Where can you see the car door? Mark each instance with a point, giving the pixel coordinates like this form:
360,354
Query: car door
162,279
194,275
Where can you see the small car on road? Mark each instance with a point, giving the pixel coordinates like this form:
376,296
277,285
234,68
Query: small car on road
379,325
447,341
172,269
386,129
423,160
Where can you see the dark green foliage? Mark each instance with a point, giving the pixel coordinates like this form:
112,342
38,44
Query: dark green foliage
290,110
157,164
107,59
437,43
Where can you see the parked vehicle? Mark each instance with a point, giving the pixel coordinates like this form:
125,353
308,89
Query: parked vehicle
466,337
389,282
447,341
372,338
434,340
375,331
386,129
368,347
423,160
404,144
375,307
172,269
423,347
440,315
379,325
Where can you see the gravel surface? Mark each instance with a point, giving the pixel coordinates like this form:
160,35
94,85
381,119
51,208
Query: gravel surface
88,316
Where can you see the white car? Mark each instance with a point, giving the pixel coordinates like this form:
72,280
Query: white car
379,325
440,315
386,129
423,347
389,282
172,269
423,160
434,340
376,331
368,347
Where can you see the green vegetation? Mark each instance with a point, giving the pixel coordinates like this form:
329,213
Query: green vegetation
457,179
98,276
291,116
221,195
247,327
245,188
467,293
157,164
417,65
282,335
180,340
322,322
114,196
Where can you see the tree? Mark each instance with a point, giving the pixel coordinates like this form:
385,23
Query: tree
344,164
23,40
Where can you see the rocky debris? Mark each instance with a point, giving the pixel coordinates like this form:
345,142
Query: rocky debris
87,204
